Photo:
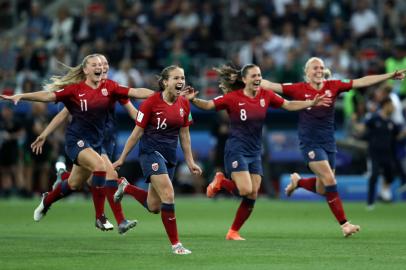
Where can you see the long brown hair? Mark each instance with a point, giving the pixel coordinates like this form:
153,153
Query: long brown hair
231,78
74,75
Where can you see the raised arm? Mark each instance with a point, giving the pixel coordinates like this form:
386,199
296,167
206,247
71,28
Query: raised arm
276,87
184,137
374,79
60,118
295,105
41,96
140,93
132,111
129,145
191,94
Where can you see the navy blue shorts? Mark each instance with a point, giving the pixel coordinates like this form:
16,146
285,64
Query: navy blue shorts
108,148
318,153
73,148
239,163
155,164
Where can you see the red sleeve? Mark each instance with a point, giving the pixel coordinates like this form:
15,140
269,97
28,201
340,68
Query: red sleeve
120,91
63,94
123,101
289,89
188,120
276,101
221,102
342,85
144,113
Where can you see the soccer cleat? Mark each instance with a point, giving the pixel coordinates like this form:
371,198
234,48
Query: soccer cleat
41,209
349,229
126,225
60,169
118,195
103,224
215,186
294,179
234,235
179,249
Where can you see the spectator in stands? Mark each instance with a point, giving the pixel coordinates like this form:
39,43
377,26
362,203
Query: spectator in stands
382,135
37,168
11,136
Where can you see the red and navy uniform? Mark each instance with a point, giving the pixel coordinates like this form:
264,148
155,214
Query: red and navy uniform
247,116
316,125
161,123
109,141
90,110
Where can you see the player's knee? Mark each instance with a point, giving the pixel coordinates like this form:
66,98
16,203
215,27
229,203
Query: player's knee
245,191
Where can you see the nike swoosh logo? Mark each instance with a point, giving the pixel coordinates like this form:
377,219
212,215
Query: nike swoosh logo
170,219
81,95
240,104
158,113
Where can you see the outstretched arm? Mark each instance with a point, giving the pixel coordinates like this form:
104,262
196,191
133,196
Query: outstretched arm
295,105
132,111
129,145
276,87
41,96
184,137
191,94
374,79
140,93
61,117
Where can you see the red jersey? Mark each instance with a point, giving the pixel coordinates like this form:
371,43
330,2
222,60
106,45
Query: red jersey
247,117
89,108
161,122
316,124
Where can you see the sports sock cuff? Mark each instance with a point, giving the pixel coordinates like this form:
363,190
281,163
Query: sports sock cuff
111,183
248,201
332,188
168,207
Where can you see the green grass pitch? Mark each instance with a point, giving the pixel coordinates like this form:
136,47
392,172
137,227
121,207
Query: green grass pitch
280,235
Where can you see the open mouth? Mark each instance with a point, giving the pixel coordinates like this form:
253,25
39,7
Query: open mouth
179,86
98,73
257,83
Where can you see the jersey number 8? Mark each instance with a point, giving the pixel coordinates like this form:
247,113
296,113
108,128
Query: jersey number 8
243,114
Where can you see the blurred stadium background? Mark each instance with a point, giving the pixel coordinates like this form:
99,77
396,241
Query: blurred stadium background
139,38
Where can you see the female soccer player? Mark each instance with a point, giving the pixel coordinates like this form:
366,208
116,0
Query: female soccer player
316,132
161,120
89,99
246,103
110,186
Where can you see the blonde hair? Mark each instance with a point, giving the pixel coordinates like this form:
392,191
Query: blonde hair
326,72
74,75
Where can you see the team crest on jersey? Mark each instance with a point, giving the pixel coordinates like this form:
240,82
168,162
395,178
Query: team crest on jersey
234,164
328,93
81,143
311,154
155,166
105,92
181,112
262,102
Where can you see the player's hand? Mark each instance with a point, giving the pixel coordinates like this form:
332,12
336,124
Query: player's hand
15,98
195,169
322,100
117,164
399,74
36,146
189,92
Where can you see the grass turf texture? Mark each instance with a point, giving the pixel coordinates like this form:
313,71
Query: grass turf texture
280,235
